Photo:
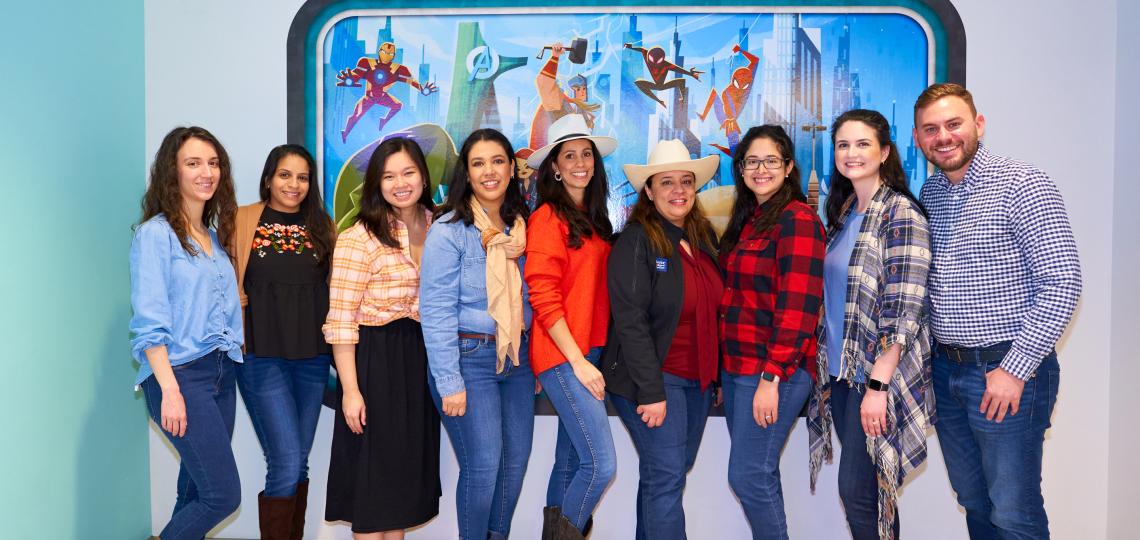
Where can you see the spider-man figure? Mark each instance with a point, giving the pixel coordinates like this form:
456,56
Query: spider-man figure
733,98
659,69
379,74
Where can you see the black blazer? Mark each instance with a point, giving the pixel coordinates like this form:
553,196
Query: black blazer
646,294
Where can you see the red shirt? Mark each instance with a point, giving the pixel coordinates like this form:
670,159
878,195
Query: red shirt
773,294
566,284
693,354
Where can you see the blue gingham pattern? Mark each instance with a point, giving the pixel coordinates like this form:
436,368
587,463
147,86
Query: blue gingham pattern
1005,264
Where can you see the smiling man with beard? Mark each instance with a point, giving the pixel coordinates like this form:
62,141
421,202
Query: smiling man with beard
1004,282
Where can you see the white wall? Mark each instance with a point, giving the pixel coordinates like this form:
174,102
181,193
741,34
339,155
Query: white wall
1042,73
1124,438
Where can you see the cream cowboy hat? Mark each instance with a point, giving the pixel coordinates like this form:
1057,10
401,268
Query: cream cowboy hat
671,155
568,128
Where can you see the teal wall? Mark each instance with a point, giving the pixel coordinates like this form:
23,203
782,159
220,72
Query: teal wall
73,434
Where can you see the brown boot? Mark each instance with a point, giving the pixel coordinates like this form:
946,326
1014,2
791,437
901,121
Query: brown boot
550,516
302,500
275,515
566,530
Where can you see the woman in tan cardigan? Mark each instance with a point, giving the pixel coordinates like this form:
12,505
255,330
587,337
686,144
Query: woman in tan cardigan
282,247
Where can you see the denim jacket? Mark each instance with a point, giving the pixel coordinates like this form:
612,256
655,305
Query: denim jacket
453,297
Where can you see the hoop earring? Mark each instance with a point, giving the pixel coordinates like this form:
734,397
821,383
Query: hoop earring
557,176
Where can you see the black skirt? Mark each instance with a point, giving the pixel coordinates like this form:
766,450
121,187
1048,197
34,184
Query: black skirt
388,477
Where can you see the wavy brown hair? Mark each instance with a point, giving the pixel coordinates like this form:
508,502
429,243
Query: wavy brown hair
164,197
697,228
594,217
746,203
318,222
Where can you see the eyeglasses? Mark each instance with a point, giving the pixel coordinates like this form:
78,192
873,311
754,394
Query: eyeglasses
771,162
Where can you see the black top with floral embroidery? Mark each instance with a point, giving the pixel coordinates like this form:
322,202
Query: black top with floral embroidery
287,288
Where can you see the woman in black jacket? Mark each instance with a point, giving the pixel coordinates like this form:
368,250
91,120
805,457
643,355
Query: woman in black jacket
662,351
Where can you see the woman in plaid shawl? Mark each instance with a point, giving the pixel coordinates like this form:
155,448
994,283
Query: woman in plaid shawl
874,344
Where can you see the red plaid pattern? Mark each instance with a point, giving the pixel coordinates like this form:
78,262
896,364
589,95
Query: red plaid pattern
773,294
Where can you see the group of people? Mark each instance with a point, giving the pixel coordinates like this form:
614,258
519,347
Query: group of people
902,313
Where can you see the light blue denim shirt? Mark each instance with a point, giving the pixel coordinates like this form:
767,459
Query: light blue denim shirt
453,297
188,303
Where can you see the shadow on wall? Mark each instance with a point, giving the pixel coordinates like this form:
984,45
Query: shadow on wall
107,469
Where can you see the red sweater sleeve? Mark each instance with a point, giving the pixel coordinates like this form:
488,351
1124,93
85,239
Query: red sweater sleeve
546,261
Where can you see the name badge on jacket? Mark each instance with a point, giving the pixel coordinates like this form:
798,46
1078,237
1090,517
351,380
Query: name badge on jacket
662,264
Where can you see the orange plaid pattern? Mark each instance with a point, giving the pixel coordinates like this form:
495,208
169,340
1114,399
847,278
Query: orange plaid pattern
371,284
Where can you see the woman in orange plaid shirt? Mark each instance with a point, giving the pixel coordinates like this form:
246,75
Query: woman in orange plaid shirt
384,468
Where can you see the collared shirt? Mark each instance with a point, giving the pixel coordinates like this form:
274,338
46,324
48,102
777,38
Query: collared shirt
453,293
1005,265
773,290
189,303
371,284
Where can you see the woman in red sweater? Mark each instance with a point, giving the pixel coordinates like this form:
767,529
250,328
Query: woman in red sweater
568,242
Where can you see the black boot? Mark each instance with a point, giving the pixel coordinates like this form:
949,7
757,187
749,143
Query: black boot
275,515
550,516
302,502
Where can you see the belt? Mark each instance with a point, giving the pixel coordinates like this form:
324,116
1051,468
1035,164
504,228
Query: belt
988,353
476,335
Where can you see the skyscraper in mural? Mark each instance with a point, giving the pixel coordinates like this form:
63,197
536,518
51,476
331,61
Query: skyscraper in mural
473,87
427,105
634,127
675,125
793,86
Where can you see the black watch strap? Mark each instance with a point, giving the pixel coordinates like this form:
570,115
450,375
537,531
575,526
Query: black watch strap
877,385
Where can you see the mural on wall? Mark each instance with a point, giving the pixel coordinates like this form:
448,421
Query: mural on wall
703,78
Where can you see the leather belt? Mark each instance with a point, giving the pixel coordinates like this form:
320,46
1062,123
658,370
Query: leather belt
476,335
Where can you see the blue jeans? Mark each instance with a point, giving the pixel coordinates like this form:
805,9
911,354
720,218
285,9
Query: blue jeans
995,469
858,479
576,484
754,460
208,488
491,440
665,455
283,398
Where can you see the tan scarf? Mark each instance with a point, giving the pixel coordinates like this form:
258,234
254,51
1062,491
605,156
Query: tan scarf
504,282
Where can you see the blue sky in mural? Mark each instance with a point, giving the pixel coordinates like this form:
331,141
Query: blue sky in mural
808,68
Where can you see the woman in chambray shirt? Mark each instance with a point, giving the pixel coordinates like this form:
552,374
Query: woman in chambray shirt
187,327
481,378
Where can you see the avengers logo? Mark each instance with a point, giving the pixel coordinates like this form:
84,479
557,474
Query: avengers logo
482,63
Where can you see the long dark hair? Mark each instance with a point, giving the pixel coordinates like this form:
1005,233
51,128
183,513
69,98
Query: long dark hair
459,190
375,212
891,171
746,203
163,195
697,227
318,222
582,222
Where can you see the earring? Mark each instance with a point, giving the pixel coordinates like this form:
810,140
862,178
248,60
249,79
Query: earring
557,176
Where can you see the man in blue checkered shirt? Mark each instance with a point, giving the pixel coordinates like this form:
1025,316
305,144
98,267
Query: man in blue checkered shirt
1004,282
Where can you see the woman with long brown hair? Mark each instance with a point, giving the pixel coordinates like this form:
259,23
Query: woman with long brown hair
772,253
568,240
662,356
282,247
186,328
384,468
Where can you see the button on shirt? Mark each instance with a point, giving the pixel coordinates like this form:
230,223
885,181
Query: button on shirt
189,303
371,284
1005,265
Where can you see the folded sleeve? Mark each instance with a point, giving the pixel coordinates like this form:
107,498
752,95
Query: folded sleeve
152,319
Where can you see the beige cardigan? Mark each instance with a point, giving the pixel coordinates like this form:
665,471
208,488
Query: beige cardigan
245,225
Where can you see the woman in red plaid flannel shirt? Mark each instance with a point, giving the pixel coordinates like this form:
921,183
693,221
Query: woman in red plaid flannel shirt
772,253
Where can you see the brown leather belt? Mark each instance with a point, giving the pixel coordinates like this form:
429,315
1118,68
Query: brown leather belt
474,335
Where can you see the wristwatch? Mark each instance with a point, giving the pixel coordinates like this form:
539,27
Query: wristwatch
877,385
769,377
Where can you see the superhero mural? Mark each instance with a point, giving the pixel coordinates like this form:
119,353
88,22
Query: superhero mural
703,78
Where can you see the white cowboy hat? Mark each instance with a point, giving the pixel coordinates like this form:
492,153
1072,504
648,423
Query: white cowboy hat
671,155
568,128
